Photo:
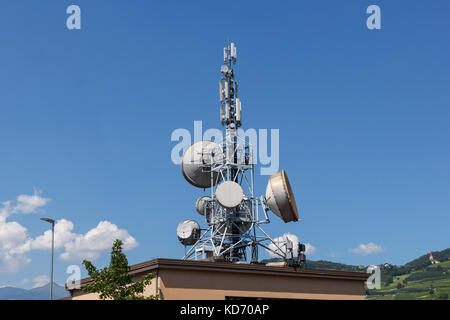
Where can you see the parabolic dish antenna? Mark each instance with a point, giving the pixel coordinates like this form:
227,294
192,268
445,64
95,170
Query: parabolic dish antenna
280,198
229,194
200,205
188,232
197,161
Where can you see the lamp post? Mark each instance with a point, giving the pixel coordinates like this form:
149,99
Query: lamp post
52,222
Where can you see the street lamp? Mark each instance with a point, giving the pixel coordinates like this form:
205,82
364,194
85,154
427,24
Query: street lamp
52,222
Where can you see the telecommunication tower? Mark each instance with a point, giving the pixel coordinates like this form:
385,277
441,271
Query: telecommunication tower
234,215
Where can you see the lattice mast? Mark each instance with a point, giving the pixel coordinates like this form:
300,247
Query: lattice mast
230,105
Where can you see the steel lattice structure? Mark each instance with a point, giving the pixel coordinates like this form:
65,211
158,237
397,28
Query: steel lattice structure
232,232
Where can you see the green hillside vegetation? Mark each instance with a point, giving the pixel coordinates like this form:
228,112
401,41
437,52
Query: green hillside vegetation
322,264
416,280
424,261
328,265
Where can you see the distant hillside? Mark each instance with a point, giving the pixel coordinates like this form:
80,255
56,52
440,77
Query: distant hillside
323,264
328,265
7,292
40,293
417,279
424,260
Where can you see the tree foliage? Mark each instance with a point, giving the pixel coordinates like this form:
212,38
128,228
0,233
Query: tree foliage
114,281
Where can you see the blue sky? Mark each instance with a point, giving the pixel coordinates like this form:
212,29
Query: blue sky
87,115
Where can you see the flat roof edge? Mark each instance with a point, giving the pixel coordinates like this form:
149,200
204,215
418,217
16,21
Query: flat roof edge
201,265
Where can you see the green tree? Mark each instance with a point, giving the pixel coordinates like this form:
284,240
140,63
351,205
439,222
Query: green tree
431,290
443,296
389,280
114,282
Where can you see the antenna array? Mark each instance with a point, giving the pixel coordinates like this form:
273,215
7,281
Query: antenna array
232,212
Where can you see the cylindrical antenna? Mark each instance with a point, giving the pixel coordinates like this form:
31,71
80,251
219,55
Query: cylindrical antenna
238,110
227,89
233,51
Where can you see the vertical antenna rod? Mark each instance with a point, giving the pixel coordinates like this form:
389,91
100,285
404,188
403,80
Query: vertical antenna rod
230,112
230,105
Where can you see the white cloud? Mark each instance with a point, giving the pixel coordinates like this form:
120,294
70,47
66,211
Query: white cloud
63,235
40,281
15,241
89,245
366,249
24,204
30,204
309,248
6,210
83,246
333,254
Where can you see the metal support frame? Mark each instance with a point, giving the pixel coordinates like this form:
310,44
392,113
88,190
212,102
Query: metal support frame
216,235
231,232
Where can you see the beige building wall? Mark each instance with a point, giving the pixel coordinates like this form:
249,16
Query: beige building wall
199,280
193,285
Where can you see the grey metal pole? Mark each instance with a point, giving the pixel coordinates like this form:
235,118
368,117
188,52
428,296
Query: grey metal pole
53,249
52,222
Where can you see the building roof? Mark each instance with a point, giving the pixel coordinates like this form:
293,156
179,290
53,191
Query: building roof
158,264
